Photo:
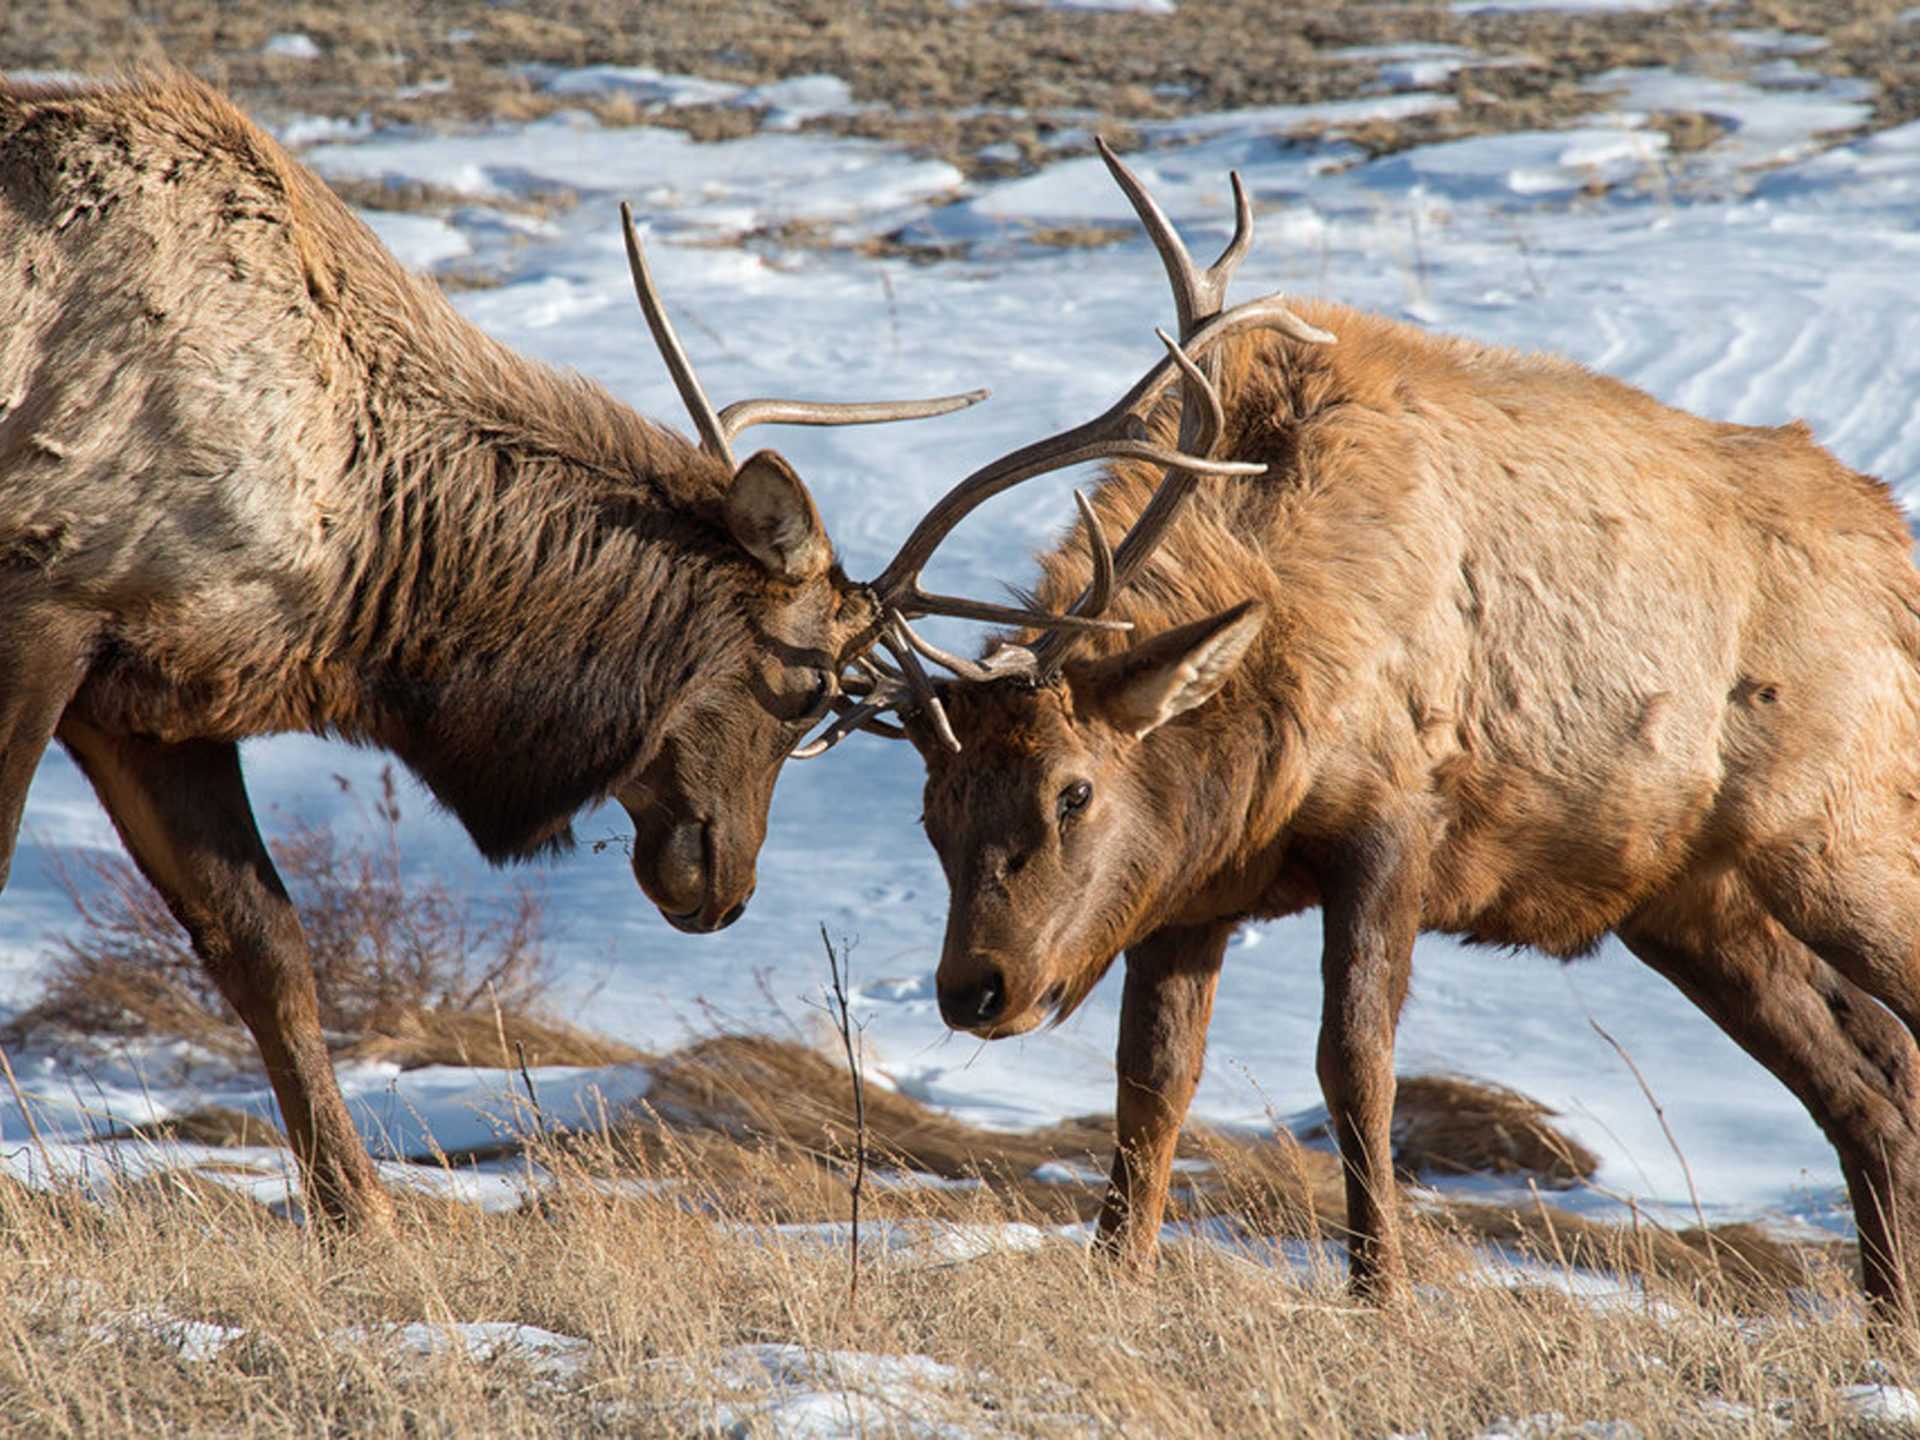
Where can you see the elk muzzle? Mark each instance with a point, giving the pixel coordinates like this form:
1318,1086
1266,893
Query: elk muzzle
985,996
684,872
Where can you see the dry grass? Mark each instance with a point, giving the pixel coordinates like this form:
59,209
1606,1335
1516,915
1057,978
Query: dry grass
99,1332
771,1125
407,971
1446,1125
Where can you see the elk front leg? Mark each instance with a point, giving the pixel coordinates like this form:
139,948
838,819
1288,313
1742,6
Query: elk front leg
1371,889
1164,1010
43,659
182,811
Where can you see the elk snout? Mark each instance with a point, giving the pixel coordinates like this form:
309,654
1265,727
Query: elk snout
992,995
679,874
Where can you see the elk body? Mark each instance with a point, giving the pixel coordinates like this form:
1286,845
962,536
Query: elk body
256,477
1497,647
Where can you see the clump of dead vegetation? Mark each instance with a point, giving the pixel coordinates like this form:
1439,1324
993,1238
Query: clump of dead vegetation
407,970
176,1305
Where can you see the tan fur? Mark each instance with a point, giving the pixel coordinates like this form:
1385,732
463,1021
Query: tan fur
1542,658
256,477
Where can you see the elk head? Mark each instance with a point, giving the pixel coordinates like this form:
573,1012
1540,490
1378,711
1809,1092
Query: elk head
1055,825
699,802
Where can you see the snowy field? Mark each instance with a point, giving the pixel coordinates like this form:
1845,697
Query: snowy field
1767,278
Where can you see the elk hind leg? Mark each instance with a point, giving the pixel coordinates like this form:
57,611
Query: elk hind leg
1847,1059
1164,1011
183,814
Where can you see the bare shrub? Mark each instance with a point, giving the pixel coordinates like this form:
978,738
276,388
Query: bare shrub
406,970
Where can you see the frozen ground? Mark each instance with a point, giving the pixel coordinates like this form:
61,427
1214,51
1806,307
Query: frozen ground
1766,278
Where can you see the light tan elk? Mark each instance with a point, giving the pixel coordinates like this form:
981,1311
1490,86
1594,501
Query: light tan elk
256,477
1496,647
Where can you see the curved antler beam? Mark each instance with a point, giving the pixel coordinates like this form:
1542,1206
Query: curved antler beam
718,429
713,437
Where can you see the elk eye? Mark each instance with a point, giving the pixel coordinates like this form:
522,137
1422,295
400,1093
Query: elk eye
819,700
1074,798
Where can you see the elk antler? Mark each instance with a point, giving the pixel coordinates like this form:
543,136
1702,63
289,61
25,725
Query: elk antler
1198,296
1117,434
717,430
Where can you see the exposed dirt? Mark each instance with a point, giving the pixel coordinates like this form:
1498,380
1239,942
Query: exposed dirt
948,76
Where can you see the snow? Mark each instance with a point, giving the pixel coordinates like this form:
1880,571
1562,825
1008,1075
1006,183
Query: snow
1763,279
291,45
1892,1407
542,1353
802,1394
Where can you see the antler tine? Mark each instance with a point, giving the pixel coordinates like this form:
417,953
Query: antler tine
1100,591
1198,294
1006,660
957,607
864,716
713,436
742,413
924,695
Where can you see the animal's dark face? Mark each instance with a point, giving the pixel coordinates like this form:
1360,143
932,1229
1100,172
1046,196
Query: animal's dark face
1047,825
1034,823
699,803
699,807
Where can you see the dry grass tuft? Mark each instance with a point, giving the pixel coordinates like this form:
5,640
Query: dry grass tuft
482,1038
406,970
1444,1125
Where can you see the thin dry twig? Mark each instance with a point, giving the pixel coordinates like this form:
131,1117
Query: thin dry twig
1686,1170
842,1015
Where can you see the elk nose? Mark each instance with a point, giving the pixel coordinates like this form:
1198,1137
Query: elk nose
735,913
977,1003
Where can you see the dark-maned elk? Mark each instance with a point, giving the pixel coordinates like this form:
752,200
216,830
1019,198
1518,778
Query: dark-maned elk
256,477
1496,647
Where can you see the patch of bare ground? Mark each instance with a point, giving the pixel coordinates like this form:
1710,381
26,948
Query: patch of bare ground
1012,80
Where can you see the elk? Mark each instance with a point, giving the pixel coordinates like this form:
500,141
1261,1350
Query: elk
1497,647
256,477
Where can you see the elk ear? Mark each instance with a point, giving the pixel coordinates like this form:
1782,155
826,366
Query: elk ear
1147,686
773,518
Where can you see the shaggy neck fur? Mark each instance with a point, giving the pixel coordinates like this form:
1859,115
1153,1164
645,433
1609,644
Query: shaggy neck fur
423,540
